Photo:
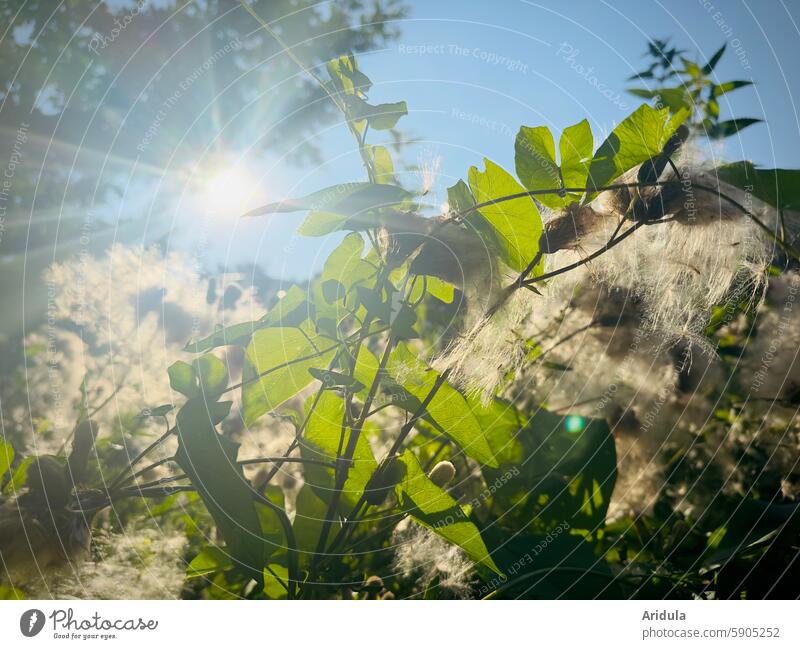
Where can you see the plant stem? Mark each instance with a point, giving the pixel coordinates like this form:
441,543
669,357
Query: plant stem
291,542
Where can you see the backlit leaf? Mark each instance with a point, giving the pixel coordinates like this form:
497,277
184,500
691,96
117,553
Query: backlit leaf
535,159
641,136
283,355
448,408
515,224
209,459
434,508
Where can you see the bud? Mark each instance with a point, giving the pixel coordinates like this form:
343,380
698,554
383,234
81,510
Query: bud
372,586
443,473
383,481
373,582
82,445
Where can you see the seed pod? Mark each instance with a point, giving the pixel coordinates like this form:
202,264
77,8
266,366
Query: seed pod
564,232
373,583
82,444
443,473
384,480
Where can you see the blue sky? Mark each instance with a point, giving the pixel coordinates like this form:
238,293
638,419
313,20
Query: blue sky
472,72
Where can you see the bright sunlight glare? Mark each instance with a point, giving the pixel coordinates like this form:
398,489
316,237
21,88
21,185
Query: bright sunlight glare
229,191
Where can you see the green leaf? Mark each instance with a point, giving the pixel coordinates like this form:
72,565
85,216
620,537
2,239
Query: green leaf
6,457
350,200
730,127
438,288
208,561
381,117
560,566
10,592
691,68
319,224
382,164
345,265
346,76
753,523
515,225
719,90
273,588
434,286
183,379
535,160
641,136
212,374
292,309
19,477
209,460
778,187
459,197
448,408
331,379
390,391
158,411
569,475
325,437
284,355
501,424
575,148
310,513
644,93
271,527
434,508
674,98
708,68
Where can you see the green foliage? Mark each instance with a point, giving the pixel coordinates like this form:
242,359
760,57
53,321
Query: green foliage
536,164
639,137
209,460
359,203
530,503
6,457
448,408
513,227
311,513
323,442
778,187
570,471
290,311
697,91
437,510
277,364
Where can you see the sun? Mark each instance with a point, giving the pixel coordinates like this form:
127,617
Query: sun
228,191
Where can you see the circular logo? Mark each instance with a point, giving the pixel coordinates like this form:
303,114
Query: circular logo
31,622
